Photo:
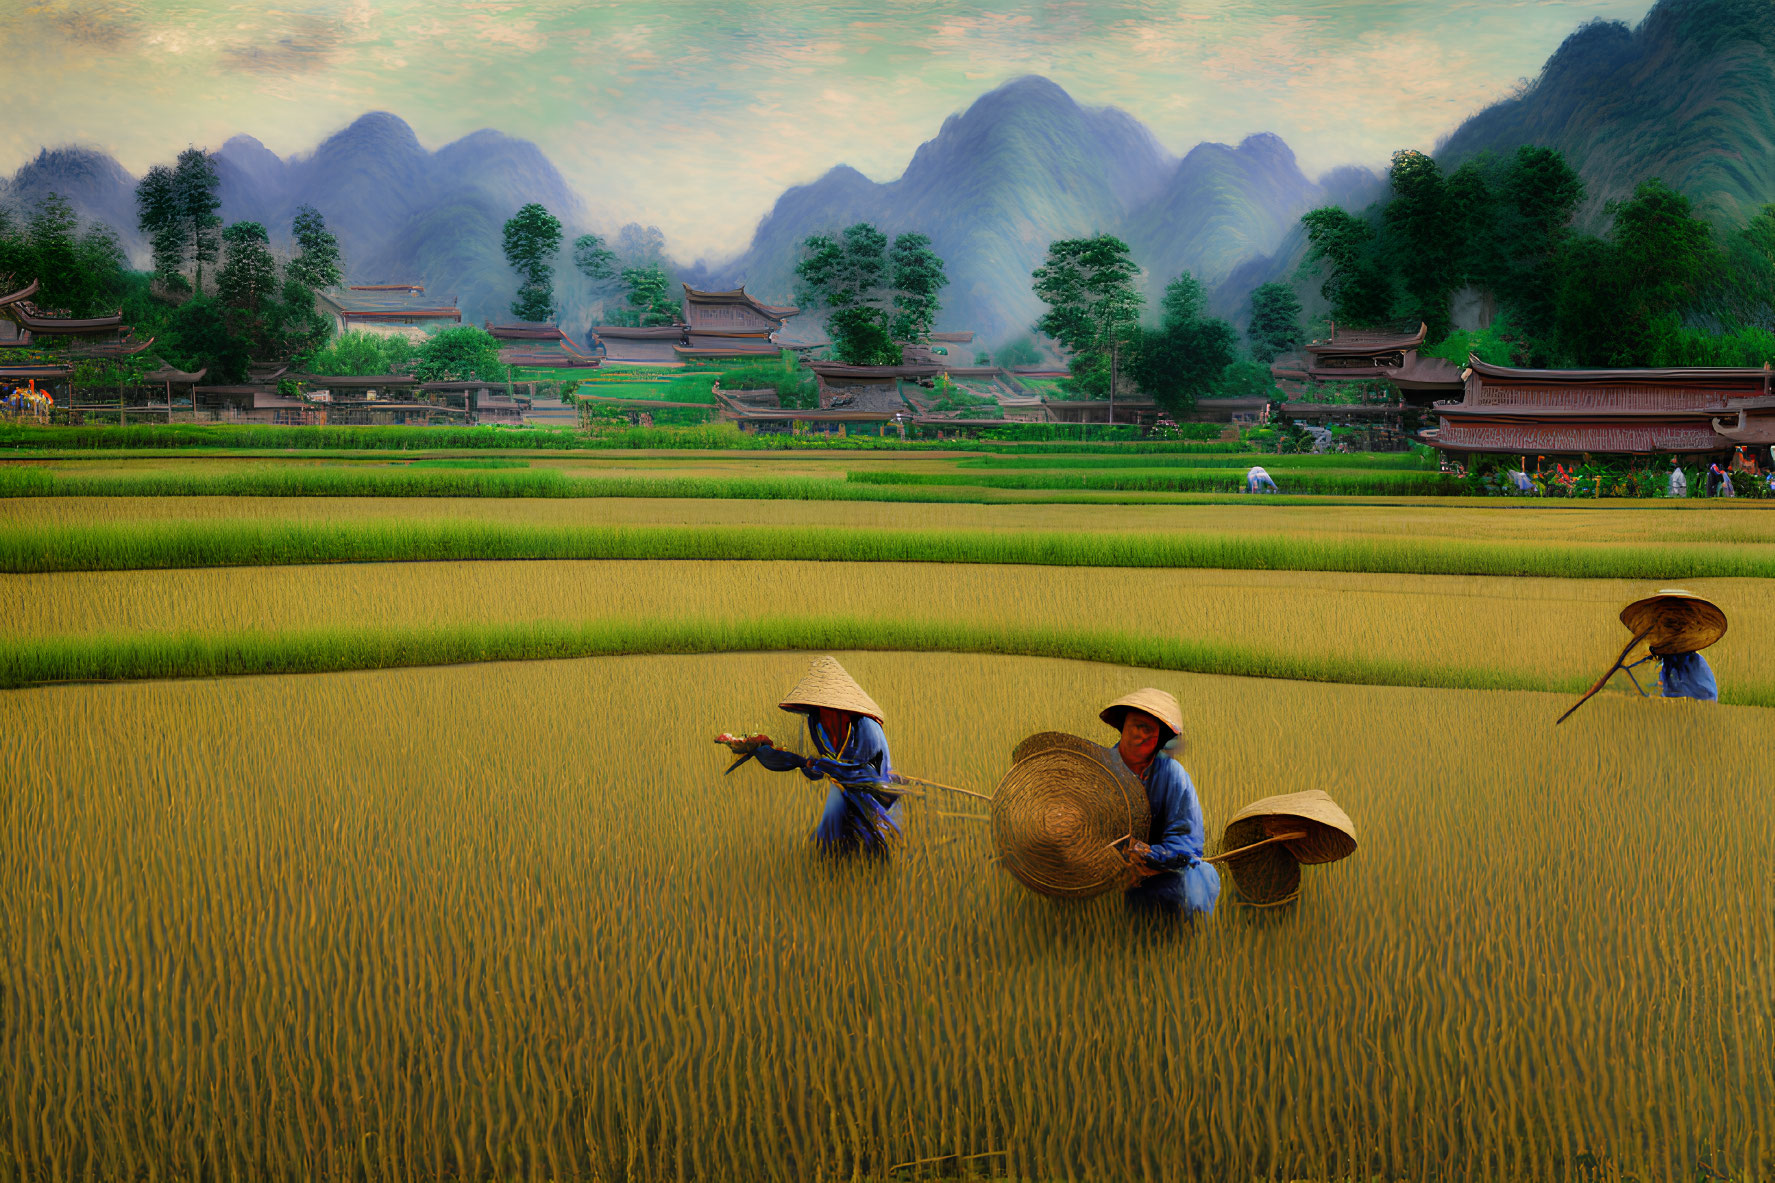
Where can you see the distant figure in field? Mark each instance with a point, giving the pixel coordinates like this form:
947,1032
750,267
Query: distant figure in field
1170,878
1257,479
1522,482
1679,484
1714,475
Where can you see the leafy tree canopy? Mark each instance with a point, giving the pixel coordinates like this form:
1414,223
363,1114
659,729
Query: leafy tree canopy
317,264
592,259
1183,358
878,296
362,354
461,354
1275,321
1093,306
532,237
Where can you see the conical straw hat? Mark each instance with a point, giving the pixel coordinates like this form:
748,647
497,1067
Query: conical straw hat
1154,702
827,685
1680,621
1271,874
1062,814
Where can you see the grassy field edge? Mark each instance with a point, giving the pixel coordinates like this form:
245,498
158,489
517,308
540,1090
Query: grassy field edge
204,655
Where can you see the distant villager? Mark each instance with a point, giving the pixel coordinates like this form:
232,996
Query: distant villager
1257,479
1679,484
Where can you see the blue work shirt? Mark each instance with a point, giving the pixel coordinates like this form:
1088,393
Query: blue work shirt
1187,885
1687,675
855,818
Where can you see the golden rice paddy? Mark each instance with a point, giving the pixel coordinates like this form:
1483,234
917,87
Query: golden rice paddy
510,921
1609,521
1551,628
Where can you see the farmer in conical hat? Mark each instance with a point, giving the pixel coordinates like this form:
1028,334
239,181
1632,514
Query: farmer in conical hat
1686,624
1169,877
845,728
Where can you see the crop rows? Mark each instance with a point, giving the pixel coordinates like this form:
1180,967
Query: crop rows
511,922
1341,481
1426,630
247,543
1526,522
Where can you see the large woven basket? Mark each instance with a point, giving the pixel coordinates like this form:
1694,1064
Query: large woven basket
1270,874
1679,621
1063,813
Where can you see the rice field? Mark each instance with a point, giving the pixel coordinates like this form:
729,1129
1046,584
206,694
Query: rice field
1540,632
510,921
1536,523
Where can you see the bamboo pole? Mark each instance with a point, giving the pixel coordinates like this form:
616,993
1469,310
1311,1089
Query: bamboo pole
1637,638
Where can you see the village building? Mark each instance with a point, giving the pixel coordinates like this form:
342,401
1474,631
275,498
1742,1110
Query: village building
24,325
869,388
1644,412
401,309
1355,355
540,347
715,326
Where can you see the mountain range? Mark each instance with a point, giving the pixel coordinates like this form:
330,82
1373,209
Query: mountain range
1688,95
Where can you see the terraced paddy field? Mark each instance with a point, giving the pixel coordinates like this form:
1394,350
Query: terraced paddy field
1454,519
1433,630
510,921
410,909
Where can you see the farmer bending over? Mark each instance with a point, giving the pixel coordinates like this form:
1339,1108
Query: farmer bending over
1169,878
844,726
1257,479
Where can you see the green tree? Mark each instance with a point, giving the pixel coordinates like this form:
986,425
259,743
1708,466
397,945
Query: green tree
197,337
247,285
532,236
1620,301
1340,246
1418,241
1093,307
1021,352
159,218
1541,195
592,259
317,263
916,278
649,294
362,354
1275,321
460,354
877,297
194,186
1188,353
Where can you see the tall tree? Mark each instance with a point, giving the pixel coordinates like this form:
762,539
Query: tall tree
1275,321
1419,240
1093,306
1541,195
317,264
195,186
159,217
532,236
876,297
650,295
1339,246
1189,351
592,259
917,277
1620,300
247,284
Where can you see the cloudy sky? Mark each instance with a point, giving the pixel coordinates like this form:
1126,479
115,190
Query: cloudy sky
695,114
